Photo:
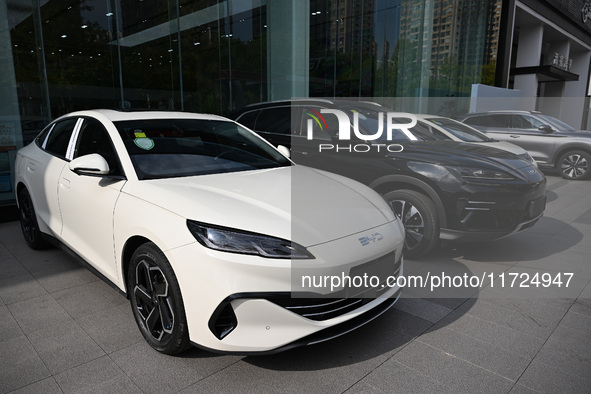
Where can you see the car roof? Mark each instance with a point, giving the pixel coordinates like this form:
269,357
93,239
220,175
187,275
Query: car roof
506,111
115,116
308,101
429,116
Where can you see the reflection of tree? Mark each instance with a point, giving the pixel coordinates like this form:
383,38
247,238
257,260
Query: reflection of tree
488,73
83,56
400,76
457,79
24,51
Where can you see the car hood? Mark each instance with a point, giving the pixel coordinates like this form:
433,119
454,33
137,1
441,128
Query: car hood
460,153
583,135
509,147
297,203
467,154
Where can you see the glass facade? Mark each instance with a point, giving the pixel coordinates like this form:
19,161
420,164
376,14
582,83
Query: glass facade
396,48
214,56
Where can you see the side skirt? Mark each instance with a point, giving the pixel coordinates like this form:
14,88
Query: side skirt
57,243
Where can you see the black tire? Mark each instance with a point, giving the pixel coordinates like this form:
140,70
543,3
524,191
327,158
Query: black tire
28,219
575,164
420,220
156,301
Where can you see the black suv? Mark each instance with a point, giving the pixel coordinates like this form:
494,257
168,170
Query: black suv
441,189
551,142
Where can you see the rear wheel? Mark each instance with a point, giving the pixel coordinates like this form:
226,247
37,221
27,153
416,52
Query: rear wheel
156,300
419,218
575,165
28,219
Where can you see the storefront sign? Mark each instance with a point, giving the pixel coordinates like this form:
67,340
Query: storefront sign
586,11
562,62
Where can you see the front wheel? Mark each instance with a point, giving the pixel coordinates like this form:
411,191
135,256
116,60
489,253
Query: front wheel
28,219
419,218
156,300
575,165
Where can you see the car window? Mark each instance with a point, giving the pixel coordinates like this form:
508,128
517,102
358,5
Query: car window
437,134
248,119
274,120
459,130
94,138
525,122
421,131
496,120
42,137
59,138
557,124
167,148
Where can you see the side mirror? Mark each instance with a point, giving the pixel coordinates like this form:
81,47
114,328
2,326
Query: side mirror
545,128
93,164
284,151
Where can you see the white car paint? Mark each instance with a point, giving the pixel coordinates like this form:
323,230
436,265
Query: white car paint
97,216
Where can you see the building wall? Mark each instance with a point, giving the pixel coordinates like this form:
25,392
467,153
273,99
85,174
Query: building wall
218,55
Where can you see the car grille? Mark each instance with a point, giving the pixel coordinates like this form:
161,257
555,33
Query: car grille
486,216
315,306
337,304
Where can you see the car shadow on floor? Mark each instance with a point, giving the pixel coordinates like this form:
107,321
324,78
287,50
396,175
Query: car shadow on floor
546,238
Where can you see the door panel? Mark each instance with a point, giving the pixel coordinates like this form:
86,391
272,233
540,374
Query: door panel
87,202
525,132
42,172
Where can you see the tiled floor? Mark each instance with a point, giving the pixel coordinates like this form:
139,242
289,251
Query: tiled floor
64,330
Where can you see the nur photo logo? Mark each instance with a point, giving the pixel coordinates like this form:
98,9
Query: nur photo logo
378,140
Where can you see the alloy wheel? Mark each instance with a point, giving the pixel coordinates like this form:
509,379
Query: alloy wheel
413,222
574,165
154,305
27,219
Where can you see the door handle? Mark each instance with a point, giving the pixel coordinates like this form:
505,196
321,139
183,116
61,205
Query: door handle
65,183
514,136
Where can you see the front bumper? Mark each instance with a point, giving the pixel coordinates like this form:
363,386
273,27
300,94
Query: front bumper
237,293
484,213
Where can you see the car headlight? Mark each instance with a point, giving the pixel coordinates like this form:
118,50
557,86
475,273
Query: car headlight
467,173
236,241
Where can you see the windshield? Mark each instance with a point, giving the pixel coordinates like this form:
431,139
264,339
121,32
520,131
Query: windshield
557,124
167,148
460,130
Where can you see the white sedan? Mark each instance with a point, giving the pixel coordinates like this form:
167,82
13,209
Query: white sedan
215,236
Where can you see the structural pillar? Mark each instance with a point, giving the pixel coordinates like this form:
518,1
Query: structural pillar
288,30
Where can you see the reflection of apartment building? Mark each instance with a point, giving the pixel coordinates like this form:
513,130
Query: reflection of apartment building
353,23
492,32
444,29
465,33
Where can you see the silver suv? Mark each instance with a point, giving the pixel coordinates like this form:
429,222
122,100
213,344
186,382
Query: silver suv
551,142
